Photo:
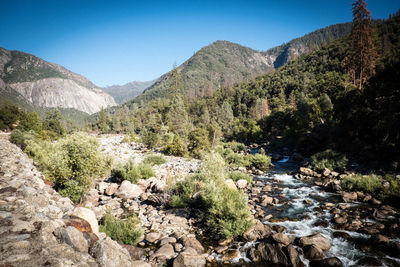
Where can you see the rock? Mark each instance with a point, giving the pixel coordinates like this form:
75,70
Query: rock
266,200
230,254
102,186
349,197
111,189
379,240
318,240
241,184
369,261
306,171
343,235
334,174
152,237
326,172
312,252
74,238
185,260
267,188
281,238
136,253
127,190
367,198
109,253
257,231
328,262
91,199
140,264
275,254
193,243
230,184
374,201
166,251
221,249
87,215
158,199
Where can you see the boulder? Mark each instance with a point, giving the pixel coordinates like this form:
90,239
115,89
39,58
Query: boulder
328,262
276,254
87,215
166,251
109,253
306,171
266,200
91,199
127,190
257,231
158,199
80,224
74,238
312,252
318,240
326,172
230,184
111,189
152,237
192,242
102,186
187,260
349,197
281,238
242,183
141,264
136,253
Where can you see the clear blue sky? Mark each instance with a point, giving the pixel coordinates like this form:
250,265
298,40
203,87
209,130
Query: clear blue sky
114,42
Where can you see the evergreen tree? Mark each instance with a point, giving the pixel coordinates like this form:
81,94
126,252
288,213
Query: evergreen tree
362,60
31,122
103,121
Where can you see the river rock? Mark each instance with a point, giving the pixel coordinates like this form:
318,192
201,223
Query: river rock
328,262
109,253
326,172
186,260
266,200
241,184
318,240
136,253
312,252
349,197
192,242
281,238
87,215
166,251
257,231
276,254
141,264
230,184
111,189
153,237
102,186
127,190
379,240
74,238
306,171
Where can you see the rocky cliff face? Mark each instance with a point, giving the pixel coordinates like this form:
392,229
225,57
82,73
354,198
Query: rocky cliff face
47,84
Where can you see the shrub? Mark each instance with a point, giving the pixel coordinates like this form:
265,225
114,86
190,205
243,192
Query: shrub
260,161
235,146
126,231
150,139
222,209
238,175
155,159
368,183
237,160
198,142
72,163
330,159
20,138
129,138
131,172
176,148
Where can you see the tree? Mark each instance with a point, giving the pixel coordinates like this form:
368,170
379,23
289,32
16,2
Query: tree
103,121
31,122
52,123
362,59
177,117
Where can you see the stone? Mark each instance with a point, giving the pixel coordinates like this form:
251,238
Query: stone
136,253
267,188
111,189
87,215
326,172
109,253
328,262
230,254
349,197
152,237
166,251
74,238
281,238
185,260
193,243
343,235
102,186
276,254
241,184
266,200
141,264
312,252
127,190
257,231
379,240
317,240
306,171
91,199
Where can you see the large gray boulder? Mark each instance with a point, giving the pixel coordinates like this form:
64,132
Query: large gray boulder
74,238
127,190
87,215
318,240
109,253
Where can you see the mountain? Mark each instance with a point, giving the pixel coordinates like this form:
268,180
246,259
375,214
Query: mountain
46,84
126,92
223,63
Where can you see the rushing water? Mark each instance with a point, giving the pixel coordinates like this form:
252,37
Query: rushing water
300,211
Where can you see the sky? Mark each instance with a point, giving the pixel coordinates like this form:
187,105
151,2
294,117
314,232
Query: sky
115,42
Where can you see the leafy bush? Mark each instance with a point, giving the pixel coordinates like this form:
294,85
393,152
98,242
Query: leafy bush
126,231
237,160
129,138
71,163
176,148
151,139
368,183
235,146
330,159
260,161
223,210
198,142
238,175
155,160
20,138
131,172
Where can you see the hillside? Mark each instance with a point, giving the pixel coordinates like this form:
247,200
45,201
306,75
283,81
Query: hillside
47,84
223,63
126,92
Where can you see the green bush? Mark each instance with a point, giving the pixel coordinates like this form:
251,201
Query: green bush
154,159
176,148
237,160
223,210
131,172
393,190
21,138
367,183
260,161
238,175
198,142
235,146
151,139
126,231
72,163
330,159
129,138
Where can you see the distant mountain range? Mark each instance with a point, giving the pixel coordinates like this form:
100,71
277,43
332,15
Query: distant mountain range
126,92
25,78
223,63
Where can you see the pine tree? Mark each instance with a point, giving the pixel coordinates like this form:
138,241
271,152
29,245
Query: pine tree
362,60
103,121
